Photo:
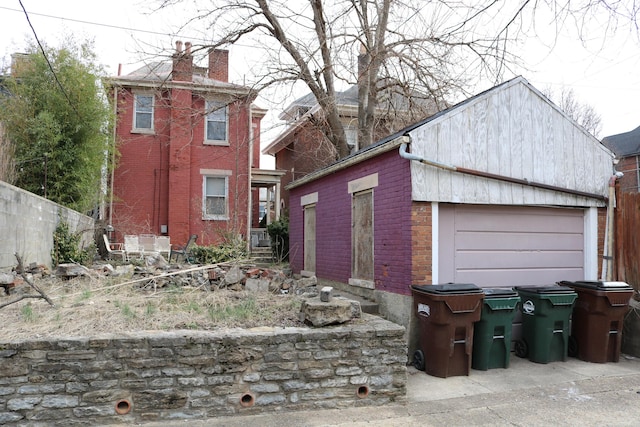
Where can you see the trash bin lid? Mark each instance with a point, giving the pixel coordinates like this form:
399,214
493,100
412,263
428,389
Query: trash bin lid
545,289
499,293
448,288
596,284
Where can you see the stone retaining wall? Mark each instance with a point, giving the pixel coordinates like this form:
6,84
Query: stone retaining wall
138,377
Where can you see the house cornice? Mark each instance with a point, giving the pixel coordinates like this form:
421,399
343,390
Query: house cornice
237,91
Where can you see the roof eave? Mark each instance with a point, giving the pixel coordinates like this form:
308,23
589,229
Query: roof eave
170,84
348,161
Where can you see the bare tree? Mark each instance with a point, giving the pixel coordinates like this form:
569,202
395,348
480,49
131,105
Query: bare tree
584,114
7,163
421,51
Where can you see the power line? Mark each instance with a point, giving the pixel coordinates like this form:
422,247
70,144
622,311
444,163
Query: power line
115,27
80,21
55,76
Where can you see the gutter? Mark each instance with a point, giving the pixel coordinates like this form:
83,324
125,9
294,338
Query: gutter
406,140
345,163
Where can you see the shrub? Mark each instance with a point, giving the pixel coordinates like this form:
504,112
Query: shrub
279,233
66,246
227,251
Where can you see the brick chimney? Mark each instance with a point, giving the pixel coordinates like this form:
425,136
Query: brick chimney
182,63
219,65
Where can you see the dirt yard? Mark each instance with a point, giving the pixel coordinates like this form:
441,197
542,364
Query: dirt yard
100,303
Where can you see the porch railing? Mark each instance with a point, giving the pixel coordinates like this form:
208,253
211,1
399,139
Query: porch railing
260,238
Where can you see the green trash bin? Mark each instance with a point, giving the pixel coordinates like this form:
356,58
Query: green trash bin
492,334
546,312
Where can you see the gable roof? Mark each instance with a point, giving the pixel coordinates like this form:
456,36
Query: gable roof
347,102
394,140
624,144
347,97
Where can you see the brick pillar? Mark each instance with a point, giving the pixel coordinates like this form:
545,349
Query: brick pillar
421,250
180,140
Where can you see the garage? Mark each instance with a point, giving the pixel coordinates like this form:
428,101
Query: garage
500,190
506,246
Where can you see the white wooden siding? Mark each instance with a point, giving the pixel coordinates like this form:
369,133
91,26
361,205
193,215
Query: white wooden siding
513,131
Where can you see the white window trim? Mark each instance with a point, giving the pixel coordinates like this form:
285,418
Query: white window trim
309,199
361,184
224,142
213,173
135,129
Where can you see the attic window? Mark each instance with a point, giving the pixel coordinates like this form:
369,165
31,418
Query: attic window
301,112
352,138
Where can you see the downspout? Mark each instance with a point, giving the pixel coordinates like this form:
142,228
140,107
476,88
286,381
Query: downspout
250,198
406,140
607,258
113,148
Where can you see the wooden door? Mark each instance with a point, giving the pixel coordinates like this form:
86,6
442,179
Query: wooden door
362,235
310,238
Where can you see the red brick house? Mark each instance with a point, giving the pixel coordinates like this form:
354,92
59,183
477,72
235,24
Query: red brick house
500,190
189,154
626,147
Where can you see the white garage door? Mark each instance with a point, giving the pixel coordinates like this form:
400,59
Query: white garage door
495,246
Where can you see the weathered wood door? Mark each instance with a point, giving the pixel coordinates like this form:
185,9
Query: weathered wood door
362,236
310,238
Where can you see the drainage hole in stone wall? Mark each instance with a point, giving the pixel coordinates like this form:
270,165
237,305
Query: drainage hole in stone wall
123,407
363,391
247,400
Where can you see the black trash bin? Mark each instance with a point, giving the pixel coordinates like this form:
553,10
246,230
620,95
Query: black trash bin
598,318
492,334
546,312
446,314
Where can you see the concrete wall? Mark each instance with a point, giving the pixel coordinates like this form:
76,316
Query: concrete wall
27,224
183,375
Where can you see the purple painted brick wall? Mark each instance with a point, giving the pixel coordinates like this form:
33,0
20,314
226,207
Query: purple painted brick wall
392,223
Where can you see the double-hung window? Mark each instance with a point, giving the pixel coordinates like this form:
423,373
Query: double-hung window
216,123
143,115
215,197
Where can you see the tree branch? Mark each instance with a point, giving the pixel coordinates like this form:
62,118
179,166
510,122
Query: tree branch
30,283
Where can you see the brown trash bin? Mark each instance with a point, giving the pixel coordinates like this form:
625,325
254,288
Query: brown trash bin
446,314
598,318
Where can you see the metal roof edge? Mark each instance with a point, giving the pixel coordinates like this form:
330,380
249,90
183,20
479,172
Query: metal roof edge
348,161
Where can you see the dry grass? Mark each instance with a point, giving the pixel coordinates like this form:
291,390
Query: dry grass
89,306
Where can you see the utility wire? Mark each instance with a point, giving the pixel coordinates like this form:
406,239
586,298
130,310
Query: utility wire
117,27
80,21
55,76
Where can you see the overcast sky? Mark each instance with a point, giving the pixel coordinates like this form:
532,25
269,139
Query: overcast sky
604,75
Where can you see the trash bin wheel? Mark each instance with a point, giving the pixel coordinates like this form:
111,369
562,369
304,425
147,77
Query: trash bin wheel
418,360
572,346
521,348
